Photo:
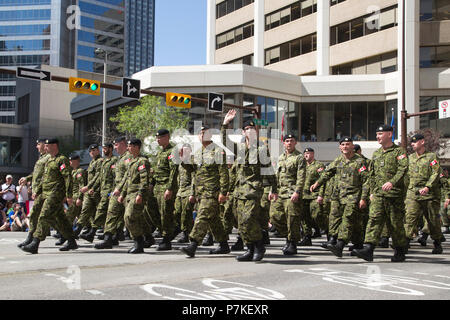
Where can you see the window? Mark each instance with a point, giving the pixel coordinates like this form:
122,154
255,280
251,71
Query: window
308,121
292,49
359,121
435,57
376,117
10,149
229,6
434,10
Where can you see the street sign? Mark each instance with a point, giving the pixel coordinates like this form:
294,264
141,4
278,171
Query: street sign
444,109
261,122
215,102
33,74
131,88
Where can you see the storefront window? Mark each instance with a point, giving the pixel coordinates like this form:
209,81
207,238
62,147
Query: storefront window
341,120
308,121
376,117
325,122
359,121
10,151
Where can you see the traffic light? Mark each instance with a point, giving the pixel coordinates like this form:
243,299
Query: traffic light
85,86
178,100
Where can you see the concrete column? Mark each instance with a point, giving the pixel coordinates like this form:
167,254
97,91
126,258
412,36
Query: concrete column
258,51
323,37
211,31
412,62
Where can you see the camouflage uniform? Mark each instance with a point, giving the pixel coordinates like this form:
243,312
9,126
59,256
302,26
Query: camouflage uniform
229,214
345,215
388,165
183,207
90,202
165,178
56,185
105,183
423,172
313,212
79,178
286,215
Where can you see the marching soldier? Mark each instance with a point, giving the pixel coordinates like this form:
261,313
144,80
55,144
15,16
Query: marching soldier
286,211
211,186
56,187
350,171
386,181
422,198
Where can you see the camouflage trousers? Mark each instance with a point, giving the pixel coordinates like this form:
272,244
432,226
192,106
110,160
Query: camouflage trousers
35,213
73,212
249,225
228,214
166,209
390,212
415,210
314,216
183,213
264,215
134,215
52,215
101,213
115,216
152,217
346,221
208,219
444,219
286,215
90,203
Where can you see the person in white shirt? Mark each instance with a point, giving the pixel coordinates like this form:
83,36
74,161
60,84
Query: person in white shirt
8,191
22,192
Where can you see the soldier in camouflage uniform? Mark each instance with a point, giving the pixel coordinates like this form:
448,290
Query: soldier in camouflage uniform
444,212
90,200
165,187
248,188
422,198
36,180
329,187
286,211
312,201
105,183
230,210
56,187
211,186
350,171
386,184
135,193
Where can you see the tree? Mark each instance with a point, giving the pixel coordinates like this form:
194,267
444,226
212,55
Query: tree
433,141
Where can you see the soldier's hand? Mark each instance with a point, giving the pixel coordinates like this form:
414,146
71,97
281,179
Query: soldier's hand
229,117
84,189
313,187
120,199
273,196
69,201
362,204
78,203
387,186
447,202
424,191
319,200
116,193
192,199
222,198
294,197
91,192
168,195
138,199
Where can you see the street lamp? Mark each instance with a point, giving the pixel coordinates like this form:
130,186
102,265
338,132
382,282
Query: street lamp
105,60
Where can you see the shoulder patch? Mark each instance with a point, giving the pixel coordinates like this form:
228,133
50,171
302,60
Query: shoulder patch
170,156
320,170
140,168
79,175
434,162
62,167
363,168
403,156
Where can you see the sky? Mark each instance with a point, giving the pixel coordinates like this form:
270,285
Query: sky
180,32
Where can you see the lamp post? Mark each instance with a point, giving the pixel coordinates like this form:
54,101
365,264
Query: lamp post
105,60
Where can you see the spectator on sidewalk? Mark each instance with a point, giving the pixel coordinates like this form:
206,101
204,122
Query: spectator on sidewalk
22,192
7,212
18,220
8,192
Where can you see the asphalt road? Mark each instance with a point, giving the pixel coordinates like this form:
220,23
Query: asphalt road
315,273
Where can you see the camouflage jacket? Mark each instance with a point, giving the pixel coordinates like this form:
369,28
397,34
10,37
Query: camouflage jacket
291,174
137,177
165,172
349,178
38,173
79,177
184,182
121,170
443,185
423,172
232,177
313,171
94,170
105,183
390,165
57,179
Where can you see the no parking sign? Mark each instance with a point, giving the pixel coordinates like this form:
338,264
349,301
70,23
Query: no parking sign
444,109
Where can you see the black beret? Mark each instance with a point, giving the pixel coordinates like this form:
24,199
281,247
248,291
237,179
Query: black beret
93,146
308,150
289,136
417,137
108,144
41,140
357,147
162,132
120,139
345,139
74,157
135,142
248,123
51,141
384,128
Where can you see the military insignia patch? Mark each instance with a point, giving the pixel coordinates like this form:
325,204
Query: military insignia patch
363,168
141,167
79,175
434,162
113,166
320,170
62,167
170,157
403,156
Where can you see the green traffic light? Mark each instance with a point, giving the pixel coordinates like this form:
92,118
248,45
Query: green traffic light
94,87
187,100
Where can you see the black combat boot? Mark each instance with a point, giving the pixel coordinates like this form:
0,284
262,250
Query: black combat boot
70,245
306,242
331,240
115,239
57,235
291,249
316,234
190,249
221,249
437,247
184,237
337,248
355,246
27,240
208,241
248,255
148,241
384,242
77,230
164,245
106,243
258,254
286,245
120,235
89,237
239,245
399,255
365,253
32,247
265,238
101,236
61,241
423,239
138,245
